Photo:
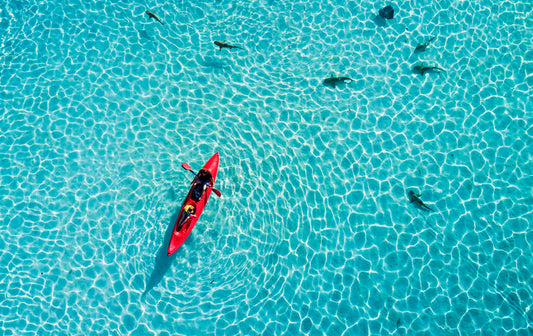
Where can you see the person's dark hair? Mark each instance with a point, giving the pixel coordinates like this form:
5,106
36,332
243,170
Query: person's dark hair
204,175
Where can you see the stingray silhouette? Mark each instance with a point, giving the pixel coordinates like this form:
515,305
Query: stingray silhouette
387,12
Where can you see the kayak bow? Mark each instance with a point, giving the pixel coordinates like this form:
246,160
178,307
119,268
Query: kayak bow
187,221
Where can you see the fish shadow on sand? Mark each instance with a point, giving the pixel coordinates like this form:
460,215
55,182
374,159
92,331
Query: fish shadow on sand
162,261
422,47
144,35
380,21
212,62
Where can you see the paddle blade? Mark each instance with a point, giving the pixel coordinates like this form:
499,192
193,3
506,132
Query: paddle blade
216,192
187,167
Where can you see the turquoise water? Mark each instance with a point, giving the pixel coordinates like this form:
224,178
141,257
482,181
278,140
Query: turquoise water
314,234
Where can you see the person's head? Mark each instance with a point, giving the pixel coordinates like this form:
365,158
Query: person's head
204,175
189,208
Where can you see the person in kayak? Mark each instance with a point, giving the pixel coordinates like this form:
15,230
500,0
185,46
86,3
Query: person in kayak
188,212
202,182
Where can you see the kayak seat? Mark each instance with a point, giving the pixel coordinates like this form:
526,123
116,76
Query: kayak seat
197,192
204,177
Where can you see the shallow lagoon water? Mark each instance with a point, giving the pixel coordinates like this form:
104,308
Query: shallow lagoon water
314,233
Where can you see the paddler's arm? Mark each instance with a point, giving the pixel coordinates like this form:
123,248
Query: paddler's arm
217,192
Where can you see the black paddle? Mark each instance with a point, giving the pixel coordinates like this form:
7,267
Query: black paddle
187,167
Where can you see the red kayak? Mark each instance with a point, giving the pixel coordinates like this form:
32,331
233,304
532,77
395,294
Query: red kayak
194,203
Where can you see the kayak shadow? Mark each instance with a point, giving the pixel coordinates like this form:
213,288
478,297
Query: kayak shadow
162,261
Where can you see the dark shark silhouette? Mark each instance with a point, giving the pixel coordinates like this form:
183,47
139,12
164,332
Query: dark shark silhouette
423,46
223,44
417,202
153,16
421,69
333,81
387,12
